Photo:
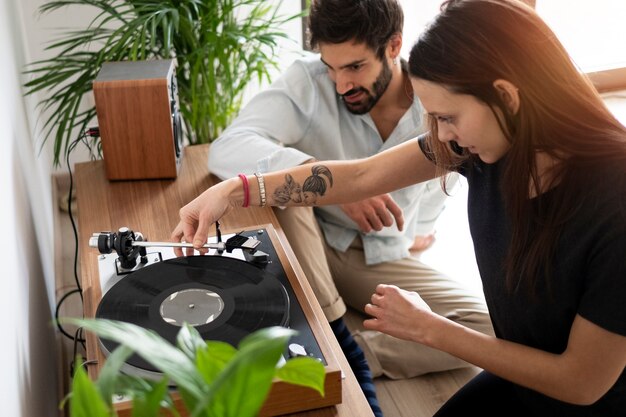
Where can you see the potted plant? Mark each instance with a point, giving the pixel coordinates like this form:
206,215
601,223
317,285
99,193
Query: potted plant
213,378
220,47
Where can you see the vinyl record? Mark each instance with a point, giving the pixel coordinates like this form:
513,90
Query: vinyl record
223,298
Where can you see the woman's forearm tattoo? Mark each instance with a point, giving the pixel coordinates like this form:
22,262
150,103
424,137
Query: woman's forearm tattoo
307,193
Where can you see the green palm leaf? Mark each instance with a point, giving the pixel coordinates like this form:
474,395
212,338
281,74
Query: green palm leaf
220,46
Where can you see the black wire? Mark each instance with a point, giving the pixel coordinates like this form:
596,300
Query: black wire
78,335
56,314
78,338
69,209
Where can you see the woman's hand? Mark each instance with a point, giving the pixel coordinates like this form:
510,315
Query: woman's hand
400,313
197,217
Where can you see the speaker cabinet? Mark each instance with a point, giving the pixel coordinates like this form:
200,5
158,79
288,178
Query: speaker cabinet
139,120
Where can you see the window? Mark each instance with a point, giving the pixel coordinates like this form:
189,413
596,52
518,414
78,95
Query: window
417,14
593,32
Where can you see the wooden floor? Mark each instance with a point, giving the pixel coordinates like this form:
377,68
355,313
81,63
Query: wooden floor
421,396
415,397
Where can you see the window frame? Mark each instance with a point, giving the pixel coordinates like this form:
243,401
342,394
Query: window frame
613,79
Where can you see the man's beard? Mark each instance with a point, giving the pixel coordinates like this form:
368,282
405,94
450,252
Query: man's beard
379,87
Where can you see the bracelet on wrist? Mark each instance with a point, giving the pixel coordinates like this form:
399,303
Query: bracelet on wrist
246,190
261,182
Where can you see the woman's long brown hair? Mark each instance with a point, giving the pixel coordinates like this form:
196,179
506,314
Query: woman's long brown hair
466,48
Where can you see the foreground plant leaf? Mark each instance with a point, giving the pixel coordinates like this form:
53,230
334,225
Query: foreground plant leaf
152,348
303,371
85,400
213,378
149,404
107,380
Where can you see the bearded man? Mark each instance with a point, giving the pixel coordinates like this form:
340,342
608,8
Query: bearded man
351,101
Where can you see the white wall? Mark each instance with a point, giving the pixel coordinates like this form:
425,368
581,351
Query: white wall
593,32
39,30
28,385
28,376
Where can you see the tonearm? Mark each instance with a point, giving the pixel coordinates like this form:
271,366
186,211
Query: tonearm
130,245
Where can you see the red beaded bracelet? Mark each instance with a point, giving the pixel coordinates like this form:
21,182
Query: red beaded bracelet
246,190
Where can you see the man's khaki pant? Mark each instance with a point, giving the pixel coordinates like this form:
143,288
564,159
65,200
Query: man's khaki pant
342,278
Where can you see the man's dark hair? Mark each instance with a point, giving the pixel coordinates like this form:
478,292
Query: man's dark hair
372,22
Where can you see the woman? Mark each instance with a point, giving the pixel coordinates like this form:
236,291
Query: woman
546,167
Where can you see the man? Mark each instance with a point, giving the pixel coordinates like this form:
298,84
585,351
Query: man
352,101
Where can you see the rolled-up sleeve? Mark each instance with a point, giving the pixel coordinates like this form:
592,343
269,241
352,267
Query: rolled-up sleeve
260,137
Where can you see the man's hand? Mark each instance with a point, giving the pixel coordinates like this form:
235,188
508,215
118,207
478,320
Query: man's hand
375,213
422,242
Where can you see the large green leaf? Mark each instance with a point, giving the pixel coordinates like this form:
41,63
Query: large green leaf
107,380
213,359
149,403
188,340
242,387
304,371
85,400
146,395
152,348
213,378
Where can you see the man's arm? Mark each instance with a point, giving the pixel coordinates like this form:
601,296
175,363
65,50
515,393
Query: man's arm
277,116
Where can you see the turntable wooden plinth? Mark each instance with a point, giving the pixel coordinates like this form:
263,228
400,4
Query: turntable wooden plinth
152,207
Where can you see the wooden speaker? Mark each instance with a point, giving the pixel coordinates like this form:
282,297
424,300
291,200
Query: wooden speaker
139,120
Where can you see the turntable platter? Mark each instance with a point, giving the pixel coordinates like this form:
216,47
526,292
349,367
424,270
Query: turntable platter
223,298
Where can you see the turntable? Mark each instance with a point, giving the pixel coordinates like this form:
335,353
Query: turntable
238,287
152,208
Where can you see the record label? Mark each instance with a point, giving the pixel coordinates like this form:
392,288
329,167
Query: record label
194,306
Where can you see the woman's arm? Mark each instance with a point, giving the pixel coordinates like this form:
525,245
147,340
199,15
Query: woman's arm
319,183
354,180
588,368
